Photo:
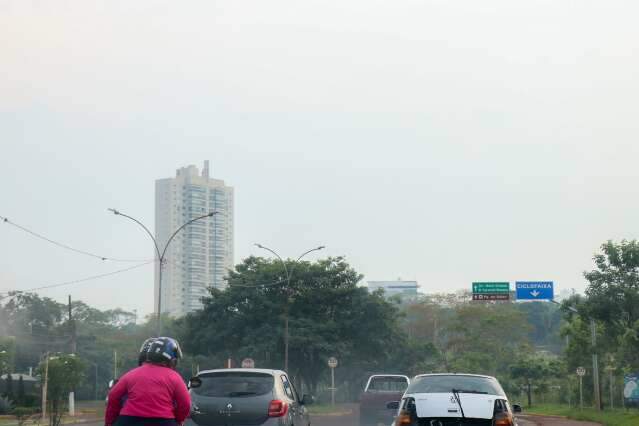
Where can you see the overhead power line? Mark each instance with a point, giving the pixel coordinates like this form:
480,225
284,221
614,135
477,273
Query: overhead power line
66,246
260,285
81,280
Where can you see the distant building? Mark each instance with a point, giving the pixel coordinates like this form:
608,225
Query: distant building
201,254
403,289
30,383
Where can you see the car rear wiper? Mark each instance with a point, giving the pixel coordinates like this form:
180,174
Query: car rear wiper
232,394
471,391
456,395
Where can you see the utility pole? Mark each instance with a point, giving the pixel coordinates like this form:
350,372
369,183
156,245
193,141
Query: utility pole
73,344
595,364
44,386
73,350
96,382
612,399
115,364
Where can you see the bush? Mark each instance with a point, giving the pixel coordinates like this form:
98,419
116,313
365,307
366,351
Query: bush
29,400
23,414
5,405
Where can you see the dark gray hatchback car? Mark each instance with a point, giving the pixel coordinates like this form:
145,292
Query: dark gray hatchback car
246,397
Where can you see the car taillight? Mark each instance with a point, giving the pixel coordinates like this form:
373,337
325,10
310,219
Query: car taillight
277,408
503,419
402,419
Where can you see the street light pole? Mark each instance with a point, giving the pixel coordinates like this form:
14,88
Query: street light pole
161,255
288,292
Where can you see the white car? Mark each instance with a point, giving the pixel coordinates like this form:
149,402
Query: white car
454,400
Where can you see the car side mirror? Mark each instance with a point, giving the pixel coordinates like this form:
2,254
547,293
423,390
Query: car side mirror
394,405
195,382
517,408
307,400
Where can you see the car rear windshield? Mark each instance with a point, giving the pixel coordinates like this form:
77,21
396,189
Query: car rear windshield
234,384
463,384
388,384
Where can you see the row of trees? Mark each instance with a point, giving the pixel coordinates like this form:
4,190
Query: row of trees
529,346
332,315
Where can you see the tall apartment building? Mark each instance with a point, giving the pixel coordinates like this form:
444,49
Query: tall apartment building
201,254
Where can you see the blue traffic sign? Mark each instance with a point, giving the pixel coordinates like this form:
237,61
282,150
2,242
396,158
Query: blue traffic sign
534,290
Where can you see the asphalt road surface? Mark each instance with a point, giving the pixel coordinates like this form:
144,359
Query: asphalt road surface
352,419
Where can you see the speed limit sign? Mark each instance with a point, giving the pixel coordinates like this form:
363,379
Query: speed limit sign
581,371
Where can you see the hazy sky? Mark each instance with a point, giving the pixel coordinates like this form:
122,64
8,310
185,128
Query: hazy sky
443,141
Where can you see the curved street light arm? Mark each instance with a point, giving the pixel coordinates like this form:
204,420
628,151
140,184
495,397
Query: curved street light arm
166,246
304,254
119,213
288,276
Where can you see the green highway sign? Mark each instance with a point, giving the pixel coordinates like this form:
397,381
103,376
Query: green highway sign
491,287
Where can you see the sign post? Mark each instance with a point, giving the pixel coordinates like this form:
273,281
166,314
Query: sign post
332,363
581,372
535,290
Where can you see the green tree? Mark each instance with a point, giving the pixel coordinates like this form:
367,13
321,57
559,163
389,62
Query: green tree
535,370
484,338
30,313
65,373
613,298
7,355
329,315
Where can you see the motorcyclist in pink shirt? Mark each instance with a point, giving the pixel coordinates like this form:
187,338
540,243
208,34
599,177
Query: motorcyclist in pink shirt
155,393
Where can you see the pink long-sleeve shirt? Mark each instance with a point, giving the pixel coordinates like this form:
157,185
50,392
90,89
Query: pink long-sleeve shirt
151,391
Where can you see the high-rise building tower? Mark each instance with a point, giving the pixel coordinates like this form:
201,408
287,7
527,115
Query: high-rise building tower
201,254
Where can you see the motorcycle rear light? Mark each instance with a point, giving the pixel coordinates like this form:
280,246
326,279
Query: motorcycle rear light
277,408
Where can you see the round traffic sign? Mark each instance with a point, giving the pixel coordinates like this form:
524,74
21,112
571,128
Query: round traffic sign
248,363
332,362
581,371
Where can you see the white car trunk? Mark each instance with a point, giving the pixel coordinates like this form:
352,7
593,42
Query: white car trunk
477,406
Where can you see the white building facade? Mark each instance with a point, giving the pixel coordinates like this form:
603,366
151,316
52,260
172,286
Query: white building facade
403,289
201,254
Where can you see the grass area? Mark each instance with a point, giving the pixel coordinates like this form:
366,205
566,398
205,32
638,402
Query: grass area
328,409
84,410
616,417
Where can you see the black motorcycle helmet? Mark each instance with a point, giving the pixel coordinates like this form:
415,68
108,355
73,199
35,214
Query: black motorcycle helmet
165,351
144,351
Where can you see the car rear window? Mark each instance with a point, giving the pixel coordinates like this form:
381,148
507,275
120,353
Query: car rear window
468,384
388,384
234,384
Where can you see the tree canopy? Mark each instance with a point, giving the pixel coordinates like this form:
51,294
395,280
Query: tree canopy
329,315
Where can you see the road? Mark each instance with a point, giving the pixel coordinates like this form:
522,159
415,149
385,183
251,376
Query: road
352,419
